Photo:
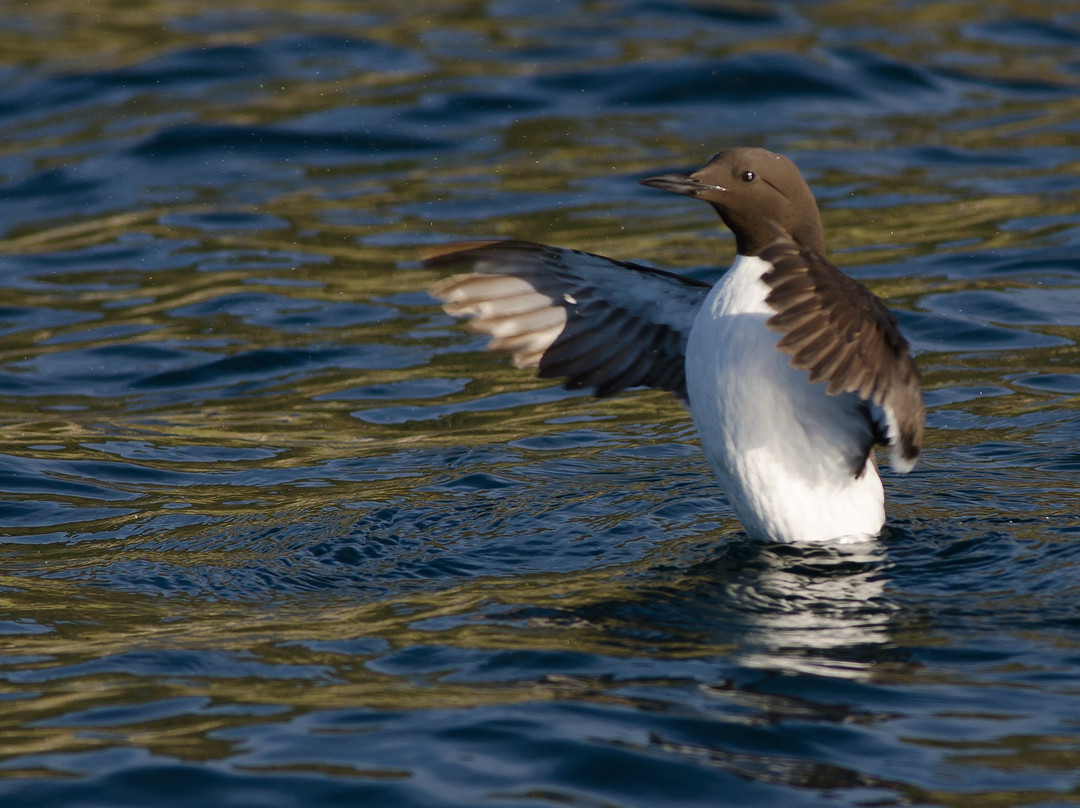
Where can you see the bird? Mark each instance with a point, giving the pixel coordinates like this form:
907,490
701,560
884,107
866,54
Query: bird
792,370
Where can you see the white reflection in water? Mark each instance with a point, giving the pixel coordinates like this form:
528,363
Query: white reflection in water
816,609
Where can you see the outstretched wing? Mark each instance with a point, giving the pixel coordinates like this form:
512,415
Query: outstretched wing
603,324
840,332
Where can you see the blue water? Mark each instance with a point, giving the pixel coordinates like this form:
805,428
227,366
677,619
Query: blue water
277,532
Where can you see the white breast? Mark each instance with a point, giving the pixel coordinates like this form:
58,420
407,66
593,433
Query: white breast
781,446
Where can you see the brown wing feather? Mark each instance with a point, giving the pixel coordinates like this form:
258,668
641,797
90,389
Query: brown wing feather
600,323
839,331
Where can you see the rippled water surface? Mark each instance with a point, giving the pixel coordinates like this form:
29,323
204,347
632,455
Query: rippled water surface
275,531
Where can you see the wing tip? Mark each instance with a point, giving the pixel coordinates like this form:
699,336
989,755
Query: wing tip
902,459
451,253
443,291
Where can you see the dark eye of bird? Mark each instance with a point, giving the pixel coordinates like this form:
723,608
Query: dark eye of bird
748,176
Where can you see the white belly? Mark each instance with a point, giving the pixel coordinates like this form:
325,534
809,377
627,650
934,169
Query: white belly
782,447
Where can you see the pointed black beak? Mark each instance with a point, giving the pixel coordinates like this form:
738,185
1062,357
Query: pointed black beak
684,184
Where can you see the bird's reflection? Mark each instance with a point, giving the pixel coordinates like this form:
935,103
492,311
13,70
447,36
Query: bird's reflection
819,608
812,608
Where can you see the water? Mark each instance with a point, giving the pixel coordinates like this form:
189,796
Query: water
275,531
